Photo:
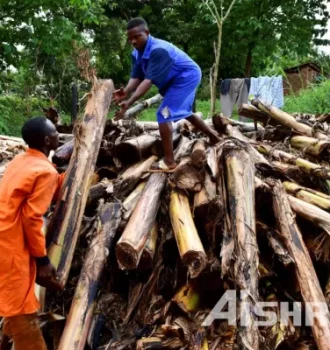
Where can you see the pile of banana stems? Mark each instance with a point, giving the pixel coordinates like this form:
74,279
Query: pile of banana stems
145,258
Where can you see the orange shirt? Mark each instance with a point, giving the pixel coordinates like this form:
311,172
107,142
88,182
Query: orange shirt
26,191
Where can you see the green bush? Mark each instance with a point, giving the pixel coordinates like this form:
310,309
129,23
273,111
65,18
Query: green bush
314,100
14,111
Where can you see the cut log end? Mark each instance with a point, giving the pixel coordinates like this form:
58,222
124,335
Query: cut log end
195,262
127,256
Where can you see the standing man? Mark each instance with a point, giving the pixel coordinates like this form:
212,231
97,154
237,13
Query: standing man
26,191
177,77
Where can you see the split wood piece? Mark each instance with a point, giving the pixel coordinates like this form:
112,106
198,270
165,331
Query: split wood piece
288,120
133,240
309,284
187,298
187,177
130,202
183,149
128,180
310,145
221,123
308,195
254,113
63,154
273,238
132,112
146,261
189,244
82,308
157,343
304,165
98,191
241,197
63,230
212,162
311,213
198,154
137,148
207,205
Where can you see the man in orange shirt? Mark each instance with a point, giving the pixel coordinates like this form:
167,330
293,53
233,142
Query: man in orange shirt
26,191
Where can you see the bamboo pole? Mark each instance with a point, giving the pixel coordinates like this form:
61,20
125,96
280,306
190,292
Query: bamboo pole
131,244
81,312
63,231
288,120
240,179
306,275
189,244
308,195
310,145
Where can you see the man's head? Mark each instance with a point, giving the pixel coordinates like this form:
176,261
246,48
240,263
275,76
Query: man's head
137,33
41,134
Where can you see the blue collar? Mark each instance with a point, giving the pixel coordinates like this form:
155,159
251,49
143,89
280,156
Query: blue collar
147,50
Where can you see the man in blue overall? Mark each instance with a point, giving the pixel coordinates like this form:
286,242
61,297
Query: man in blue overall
177,77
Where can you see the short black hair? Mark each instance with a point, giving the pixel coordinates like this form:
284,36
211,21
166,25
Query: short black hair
34,132
136,22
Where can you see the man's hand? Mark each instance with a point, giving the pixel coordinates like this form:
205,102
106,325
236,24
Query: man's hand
121,113
47,277
119,95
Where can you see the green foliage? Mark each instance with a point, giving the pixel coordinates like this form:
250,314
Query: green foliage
314,100
15,110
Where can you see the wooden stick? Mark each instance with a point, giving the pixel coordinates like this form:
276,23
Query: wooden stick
189,244
306,275
82,307
64,227
241,197
131,244
288,120
132,112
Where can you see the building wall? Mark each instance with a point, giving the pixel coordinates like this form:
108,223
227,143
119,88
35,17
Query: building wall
294,82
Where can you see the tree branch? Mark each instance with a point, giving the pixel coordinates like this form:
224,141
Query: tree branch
229,9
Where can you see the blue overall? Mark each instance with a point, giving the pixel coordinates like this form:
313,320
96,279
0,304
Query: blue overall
174,73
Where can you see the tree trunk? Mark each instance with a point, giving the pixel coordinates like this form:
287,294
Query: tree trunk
130,202
288,120
241,198
63,154
311,213
198,155
187,177
128,180
82,307
248,63
189,244
310,288
308,195
254,113
304,165
64,227
131,244
310,145
149,250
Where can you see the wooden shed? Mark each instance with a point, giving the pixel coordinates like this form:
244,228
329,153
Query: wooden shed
299,77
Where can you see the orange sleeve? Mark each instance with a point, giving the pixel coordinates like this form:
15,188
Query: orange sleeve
59,186
33,210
